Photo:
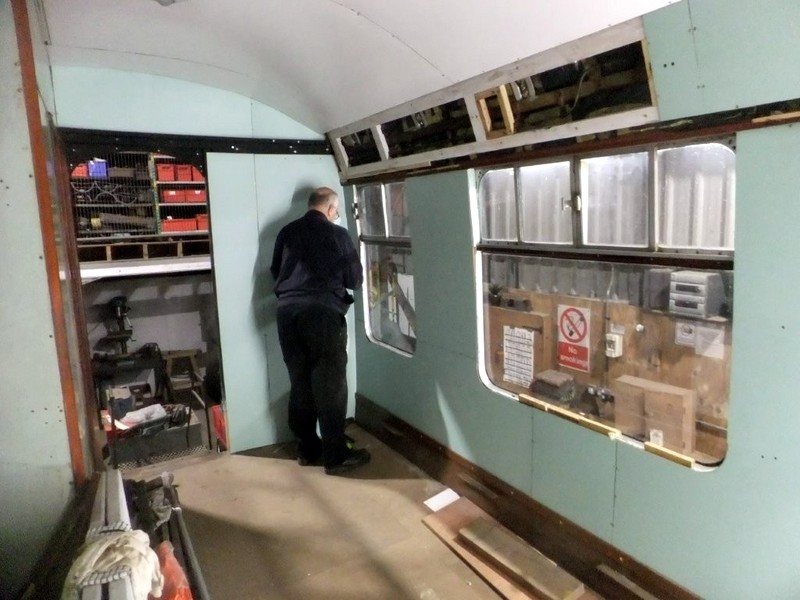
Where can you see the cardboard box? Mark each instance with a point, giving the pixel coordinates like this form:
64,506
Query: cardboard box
196,196
647,410
165,172
170,196
179,225
183,172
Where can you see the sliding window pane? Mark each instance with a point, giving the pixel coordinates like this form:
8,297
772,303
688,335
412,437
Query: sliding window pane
370,202
498,206
696,197
397,210
615,200
545,207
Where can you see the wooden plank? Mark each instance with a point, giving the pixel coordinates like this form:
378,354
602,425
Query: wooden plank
446,522
505,110
523,563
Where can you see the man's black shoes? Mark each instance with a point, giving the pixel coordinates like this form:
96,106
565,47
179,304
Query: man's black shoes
355,458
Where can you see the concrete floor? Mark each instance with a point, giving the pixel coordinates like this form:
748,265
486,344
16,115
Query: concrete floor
265,527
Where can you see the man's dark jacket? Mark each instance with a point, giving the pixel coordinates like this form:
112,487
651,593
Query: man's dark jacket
315,261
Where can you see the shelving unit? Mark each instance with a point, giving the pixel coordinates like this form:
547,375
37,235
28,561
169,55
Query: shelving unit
180,196
145,207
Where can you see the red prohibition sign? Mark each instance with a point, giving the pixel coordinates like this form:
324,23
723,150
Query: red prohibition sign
573,325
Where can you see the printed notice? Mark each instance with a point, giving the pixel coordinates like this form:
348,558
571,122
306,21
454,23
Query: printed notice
518,355
573,337
710,341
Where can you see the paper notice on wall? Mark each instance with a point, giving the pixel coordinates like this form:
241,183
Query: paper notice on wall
710,341
518,355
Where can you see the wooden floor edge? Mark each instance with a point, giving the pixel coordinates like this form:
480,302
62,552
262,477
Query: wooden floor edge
578,551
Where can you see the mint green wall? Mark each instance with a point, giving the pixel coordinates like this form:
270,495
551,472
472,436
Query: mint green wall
35,470
128,101
725,534
251,198
728,533
716,55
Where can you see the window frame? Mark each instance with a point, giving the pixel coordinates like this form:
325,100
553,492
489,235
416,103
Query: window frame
655,254
386,241
577,203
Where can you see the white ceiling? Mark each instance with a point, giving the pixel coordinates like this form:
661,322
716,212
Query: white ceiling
325,63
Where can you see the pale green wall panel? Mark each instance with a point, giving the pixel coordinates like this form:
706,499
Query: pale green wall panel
731,533
726,53
269,123
670,42
35,470
129,101
251,198
233,210
439,216
438,389
283,184
573,472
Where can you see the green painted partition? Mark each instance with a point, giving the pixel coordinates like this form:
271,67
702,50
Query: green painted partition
251,198
716,55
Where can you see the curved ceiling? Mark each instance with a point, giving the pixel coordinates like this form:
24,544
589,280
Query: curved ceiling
325,63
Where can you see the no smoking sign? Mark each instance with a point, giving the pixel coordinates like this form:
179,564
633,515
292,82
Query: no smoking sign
573,337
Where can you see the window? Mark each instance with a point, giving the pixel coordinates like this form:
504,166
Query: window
608,283
385,237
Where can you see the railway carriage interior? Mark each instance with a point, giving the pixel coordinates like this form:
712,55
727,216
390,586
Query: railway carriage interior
573,353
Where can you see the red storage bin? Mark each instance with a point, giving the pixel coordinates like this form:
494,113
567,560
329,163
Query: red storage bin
183,172
179,225
80,171
220,431
196,196
202,222
165,172
197,175
170,196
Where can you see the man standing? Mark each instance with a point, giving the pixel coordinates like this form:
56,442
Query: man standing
314,265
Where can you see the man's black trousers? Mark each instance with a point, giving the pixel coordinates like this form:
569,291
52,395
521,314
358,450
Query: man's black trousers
314,343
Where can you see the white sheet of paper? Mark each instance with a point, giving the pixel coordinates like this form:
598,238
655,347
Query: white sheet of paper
710,341
518,355
441,499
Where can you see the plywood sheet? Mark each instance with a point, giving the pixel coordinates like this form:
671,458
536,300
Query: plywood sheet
523,563
446,524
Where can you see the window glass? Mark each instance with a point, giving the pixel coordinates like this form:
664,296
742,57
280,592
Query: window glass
397,212
615,200
389,283
390,289
696,197
545,203
372,218
640,349
498,206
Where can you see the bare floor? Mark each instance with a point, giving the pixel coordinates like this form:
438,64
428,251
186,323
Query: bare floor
265,527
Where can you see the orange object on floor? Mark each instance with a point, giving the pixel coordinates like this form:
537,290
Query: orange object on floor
176,586
218,417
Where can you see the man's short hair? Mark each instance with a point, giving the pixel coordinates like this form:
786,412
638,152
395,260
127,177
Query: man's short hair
321,197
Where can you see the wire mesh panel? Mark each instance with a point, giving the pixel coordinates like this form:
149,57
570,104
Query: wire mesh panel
139,205
112,197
